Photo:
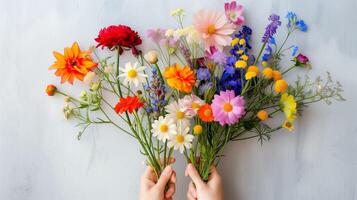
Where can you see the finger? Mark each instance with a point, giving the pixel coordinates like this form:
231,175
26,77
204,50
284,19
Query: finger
173,177
192,190
214,177
194,175
165,177
170,191
190,197
149,174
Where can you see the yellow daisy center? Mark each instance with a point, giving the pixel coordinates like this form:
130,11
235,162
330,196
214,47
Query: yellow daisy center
211,29
180,115
195,105
227,107
164,128
179,138
132,73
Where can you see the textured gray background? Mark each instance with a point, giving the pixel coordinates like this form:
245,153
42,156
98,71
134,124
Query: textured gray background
41,159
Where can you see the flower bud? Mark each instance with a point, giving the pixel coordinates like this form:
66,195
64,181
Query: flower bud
151,56
197,129
51,90
83,94
95,86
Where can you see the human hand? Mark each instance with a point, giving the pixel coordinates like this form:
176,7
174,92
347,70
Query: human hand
153,189
212,190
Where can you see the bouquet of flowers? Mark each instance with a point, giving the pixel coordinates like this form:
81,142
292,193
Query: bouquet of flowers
202,87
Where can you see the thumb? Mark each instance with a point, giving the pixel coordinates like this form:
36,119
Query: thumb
194,175
165,177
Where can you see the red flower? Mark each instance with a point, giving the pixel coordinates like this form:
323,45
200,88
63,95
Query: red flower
118,36
128,104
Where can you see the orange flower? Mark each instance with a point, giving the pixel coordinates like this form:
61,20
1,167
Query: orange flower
262,115
182,79
128,104
277,75
51,90
280,86
268,73
73,64
253,69
205,113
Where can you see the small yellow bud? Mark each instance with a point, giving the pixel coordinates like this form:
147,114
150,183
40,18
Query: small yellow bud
197,129
151,56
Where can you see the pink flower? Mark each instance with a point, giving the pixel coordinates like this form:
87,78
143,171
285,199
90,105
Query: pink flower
227,108
234,13
191,103
155,34
213,28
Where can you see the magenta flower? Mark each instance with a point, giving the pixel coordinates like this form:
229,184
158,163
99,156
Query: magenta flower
227,108
302,59
234,13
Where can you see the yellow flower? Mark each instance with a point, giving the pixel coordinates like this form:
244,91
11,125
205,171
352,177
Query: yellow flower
281,86
288,125
268,73
253,69
288,106
250,74
241,64
242,42
244,57
264,63
240,52
177,12
234,41
197,129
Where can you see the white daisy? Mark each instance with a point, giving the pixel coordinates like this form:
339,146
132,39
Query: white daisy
181,140
177,112
133,74
164,128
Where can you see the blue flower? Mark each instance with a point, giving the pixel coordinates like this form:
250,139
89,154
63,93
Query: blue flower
301,25
204,88
294,50
291,16
203,74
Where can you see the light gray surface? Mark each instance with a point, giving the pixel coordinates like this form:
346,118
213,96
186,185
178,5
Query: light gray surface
41,159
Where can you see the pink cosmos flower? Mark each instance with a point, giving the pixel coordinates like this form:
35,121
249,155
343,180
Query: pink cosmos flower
213,28
234,13
227,108
156,34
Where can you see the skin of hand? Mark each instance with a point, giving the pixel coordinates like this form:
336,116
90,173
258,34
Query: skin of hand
212,190
153,189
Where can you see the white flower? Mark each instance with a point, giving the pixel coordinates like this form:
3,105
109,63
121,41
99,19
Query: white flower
133,74
164,128
177,112
89,77
177,12
191,104
181,140
192,35
151,57
178,33
169,32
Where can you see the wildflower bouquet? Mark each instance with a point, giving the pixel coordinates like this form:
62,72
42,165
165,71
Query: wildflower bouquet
202,88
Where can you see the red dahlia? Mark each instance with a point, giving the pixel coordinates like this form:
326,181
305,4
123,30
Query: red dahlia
129,104
118,36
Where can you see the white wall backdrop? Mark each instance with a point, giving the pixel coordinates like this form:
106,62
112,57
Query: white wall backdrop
41,159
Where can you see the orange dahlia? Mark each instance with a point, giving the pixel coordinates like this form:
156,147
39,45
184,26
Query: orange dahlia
73,64
182,79
205,113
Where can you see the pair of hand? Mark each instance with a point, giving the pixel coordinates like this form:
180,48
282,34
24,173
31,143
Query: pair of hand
153,189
